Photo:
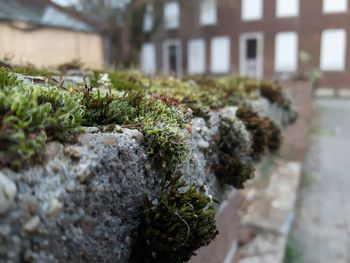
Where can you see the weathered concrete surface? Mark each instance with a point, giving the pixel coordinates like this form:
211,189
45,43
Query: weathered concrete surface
81,206
322,228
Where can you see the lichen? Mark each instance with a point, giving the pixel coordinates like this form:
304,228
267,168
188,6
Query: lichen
174,226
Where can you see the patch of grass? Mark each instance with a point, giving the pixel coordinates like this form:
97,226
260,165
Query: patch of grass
324,132
292,253
307,179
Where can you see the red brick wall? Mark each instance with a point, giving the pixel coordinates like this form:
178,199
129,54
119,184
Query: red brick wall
309,24
296,137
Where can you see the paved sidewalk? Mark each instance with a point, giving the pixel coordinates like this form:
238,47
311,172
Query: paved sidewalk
267,213
322,226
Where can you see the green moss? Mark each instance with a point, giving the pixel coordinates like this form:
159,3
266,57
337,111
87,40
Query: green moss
165,140
7,78
183,219
33,71
32,115
274,94
275,138
104,109
175,226
166,146
234,166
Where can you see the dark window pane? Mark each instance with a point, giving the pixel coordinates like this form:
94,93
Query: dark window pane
251,48
173,58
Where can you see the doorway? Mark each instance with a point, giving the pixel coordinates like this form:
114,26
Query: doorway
172,57
251,55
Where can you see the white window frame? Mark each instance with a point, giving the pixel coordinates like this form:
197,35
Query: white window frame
278,67
328,51
328,7
203,18
168,24
246,5
166,45
144,67
148,17
191,64
213,67
282,12
243,50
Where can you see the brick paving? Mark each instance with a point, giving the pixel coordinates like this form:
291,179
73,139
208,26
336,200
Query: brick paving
322,226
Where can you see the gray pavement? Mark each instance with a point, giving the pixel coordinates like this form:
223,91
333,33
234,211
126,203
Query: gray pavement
322,225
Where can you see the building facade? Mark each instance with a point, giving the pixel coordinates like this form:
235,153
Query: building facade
273,39
43,34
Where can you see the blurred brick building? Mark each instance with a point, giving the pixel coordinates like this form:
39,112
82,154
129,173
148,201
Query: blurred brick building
276,39
44,34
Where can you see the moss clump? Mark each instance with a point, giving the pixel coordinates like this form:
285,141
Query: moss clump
265,134
172,228
274,136
105,109
235,166
274,94
165,140
166,146
32,115
7,78
200,94
32,71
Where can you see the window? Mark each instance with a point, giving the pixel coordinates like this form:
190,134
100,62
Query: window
196,56
220,55
251,9
251,54
148,59
286,52
335,6
208,12
333,50
171,15
251,48
287,8
172,56
148,18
